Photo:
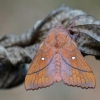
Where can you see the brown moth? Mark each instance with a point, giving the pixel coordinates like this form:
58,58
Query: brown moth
58,59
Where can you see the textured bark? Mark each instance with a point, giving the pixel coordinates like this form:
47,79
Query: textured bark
18,50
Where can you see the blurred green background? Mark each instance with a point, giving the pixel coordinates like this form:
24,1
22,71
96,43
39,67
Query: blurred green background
17,16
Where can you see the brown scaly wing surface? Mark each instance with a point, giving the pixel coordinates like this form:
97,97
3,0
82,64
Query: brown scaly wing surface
74,69
41,72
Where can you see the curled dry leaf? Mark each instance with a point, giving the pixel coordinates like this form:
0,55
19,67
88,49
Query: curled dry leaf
16,40
20,49
10,75
89,38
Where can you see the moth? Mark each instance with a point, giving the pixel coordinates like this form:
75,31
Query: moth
58,59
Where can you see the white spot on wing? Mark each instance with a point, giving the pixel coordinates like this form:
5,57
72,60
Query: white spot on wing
73,58
42,58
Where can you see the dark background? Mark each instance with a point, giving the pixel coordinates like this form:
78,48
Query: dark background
17,16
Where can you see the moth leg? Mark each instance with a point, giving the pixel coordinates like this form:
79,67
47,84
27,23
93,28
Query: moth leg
72,33
72,25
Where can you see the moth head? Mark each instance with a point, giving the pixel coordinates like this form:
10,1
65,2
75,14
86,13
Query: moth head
51,39
57,37
62,39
